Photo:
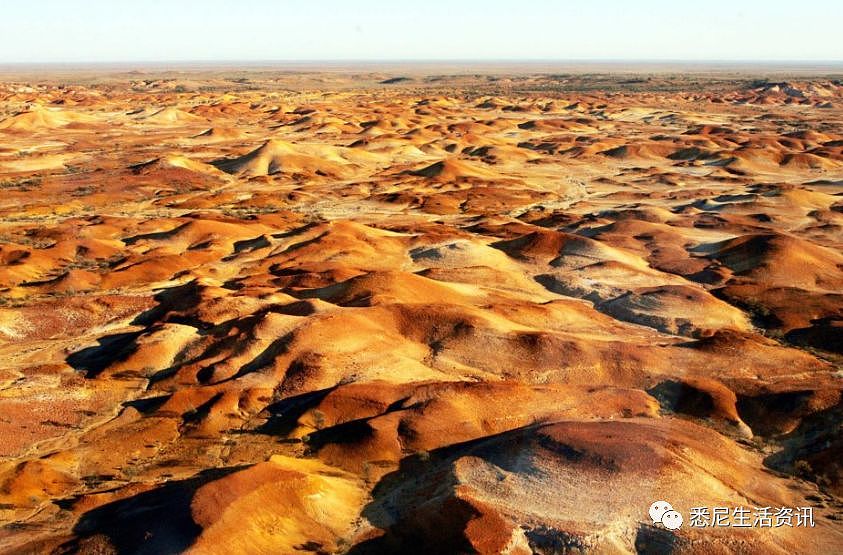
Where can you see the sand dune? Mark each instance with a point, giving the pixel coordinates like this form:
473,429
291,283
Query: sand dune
452,169
779,259
220,134
171,116
276,156
41,118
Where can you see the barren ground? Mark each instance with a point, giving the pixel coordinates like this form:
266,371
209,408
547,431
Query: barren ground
336,312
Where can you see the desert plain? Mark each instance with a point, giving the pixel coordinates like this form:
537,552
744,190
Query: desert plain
369,311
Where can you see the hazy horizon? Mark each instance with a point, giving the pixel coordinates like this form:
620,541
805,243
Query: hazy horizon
431,61
414,68
261,31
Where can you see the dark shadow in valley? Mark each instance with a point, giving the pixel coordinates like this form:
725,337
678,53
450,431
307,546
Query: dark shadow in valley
416,506
284,414
155,522
111,348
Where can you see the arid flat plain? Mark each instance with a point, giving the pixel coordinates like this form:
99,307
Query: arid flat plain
375,311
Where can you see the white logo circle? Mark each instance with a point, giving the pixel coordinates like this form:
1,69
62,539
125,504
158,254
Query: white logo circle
658,509
672,520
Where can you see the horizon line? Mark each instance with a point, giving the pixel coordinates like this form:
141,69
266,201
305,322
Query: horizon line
367,61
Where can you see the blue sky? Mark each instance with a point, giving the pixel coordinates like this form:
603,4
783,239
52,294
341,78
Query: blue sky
235,30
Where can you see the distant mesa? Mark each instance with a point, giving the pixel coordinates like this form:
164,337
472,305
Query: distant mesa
822,94
395,80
